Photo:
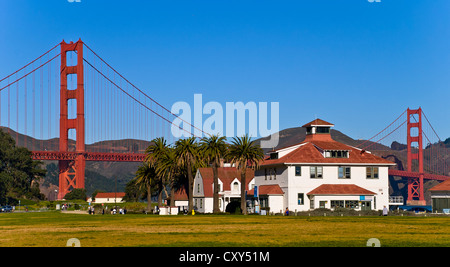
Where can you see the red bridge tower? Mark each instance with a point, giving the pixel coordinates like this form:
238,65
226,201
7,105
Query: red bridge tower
415,185
71,172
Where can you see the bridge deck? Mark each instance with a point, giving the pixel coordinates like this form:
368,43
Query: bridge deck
428,176
89,156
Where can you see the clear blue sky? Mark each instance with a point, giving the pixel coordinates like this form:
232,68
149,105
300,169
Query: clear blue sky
354,63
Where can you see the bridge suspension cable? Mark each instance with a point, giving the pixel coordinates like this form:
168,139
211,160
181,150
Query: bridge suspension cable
384,130
144,94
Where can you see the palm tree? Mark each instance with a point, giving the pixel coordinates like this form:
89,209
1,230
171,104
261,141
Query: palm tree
187,153
145,176
168,167
156,150
155,155
245,154
214,149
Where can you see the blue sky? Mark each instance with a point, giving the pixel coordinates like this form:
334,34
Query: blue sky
354,63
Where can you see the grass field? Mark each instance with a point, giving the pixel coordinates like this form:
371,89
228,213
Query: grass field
53,229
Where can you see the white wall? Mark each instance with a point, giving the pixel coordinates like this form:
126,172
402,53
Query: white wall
276,203
293,185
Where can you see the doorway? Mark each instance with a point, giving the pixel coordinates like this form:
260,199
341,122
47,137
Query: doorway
366,205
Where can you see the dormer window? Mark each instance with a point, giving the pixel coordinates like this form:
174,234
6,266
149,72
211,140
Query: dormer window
323,130
274,155
336,153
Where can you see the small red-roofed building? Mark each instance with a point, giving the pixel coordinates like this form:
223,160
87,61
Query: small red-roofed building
440,197
108,197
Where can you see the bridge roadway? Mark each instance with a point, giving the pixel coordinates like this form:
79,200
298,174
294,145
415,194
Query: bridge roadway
89,156
428,176
137,157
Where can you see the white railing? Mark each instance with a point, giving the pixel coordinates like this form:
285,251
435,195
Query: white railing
396,200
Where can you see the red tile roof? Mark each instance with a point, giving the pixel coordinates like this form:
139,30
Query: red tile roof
444,186
181,195
331,145
318,122
340,189
226,175
309,152
267,190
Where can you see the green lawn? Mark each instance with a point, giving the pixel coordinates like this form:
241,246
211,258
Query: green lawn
53,229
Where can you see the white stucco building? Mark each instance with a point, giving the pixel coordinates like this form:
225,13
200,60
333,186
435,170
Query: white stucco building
108,198
322,173
229,188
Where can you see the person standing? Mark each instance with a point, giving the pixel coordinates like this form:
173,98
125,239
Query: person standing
385,211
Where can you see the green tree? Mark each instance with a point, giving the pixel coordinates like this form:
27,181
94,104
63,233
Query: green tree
76,193
19,174
187,154
145,177
168,167
245,154
132,191
157,154
213,150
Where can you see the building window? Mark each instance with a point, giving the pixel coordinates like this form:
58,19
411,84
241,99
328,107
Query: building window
265,173
351,204
322,204
198,188
316,172
300,199
264,202
298,171
372,172
336,154
323,130
274,155
236,186
272,173
337,204
344,172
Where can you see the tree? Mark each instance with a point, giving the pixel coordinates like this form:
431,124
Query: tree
156,155
132,191
213,150
76,193
19,174
187,154
168,167
145,176
245,154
